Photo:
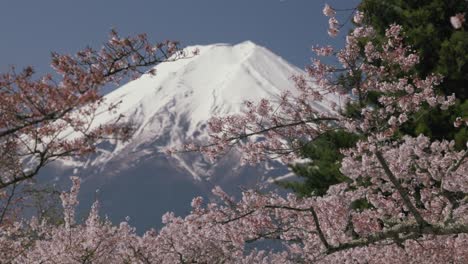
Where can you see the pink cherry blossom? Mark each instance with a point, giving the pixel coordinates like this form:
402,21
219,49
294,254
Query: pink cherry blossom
328,11
358,17
457,20
333,27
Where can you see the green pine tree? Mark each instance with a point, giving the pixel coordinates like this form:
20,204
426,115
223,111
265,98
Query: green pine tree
324,168
442,49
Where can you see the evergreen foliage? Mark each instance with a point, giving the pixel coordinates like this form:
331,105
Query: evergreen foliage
442,50
324,168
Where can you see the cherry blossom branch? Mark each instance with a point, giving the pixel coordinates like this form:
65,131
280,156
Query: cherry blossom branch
43,158
401,233
237,217
36,110
277,127
401,190
7,204
458,164
46,117
398,233
315,217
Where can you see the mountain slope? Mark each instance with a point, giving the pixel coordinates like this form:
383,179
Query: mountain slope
136,178
172,107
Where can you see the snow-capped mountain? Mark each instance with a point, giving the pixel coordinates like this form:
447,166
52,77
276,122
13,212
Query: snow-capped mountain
172,107
136,178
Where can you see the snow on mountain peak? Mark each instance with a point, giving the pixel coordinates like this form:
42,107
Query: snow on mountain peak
172,106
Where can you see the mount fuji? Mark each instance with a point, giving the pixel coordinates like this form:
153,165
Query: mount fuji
135,178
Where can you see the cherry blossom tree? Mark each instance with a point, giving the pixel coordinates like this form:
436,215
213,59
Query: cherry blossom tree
37,114
406,201
408,194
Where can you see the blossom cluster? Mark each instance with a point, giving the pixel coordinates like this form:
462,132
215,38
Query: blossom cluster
333,25
38,114
318,230
457,20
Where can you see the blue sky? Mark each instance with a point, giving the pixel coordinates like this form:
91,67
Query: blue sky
32,29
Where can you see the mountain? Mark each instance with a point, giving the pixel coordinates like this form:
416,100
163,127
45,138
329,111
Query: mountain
136,178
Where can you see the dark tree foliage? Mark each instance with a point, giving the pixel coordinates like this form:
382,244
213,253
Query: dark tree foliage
324,168
442,50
